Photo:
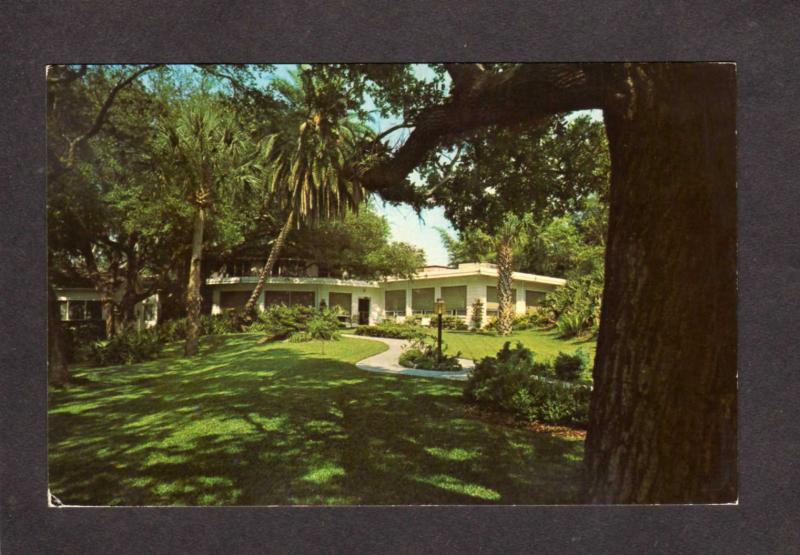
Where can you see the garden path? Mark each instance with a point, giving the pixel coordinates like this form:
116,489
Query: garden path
387,362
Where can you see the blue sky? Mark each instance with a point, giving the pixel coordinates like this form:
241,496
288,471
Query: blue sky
406,226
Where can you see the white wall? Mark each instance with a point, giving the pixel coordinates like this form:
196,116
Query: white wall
476,289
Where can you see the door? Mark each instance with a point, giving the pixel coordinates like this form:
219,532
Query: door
363,311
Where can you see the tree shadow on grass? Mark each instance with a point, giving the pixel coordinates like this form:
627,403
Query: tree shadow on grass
281,424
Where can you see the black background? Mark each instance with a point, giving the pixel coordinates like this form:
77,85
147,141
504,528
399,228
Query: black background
761,37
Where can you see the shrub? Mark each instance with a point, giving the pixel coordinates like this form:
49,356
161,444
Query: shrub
172,330
280,321
477,314
219,324
79,336
449,323
570,324
570,367
422,353
126,348
390,330
210,324
575,308
300,337
514,382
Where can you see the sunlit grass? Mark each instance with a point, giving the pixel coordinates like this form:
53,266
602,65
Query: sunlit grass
249,424
545,344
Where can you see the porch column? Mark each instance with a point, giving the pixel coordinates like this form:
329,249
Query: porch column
215,308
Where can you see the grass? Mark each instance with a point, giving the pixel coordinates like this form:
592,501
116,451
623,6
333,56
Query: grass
544,343
249,424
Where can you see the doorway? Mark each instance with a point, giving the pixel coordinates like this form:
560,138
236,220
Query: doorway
363,311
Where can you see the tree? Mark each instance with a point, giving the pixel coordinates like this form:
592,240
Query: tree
206,154
501,175
505,238
307,161
356,245
72,120
663,410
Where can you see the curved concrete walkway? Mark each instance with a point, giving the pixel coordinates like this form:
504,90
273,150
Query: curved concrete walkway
387,362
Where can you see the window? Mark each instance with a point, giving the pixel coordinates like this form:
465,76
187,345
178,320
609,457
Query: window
77,310
233,300
396,303
303,298
150,311
492,302
455,300
289,298
422,300
63,310
344,301
94,310
533,299
277,297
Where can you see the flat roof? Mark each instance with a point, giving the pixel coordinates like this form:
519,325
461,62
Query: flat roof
427,273
294,280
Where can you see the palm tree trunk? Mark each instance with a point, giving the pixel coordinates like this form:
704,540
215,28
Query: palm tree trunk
266,271
193,297
505,311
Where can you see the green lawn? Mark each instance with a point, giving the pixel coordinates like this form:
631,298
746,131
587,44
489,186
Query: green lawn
545,344
251,424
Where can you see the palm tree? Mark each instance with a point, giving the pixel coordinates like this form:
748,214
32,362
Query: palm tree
307,160
209,156
506,236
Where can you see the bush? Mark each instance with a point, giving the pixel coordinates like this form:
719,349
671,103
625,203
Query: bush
570,367
514,382
422,353
449,323
126,348
390,330
477,314
219,324
323,328
172,330
570,324
79,336
575,308
210,324
281,321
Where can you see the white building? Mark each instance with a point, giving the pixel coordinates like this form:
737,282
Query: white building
82,304
370,302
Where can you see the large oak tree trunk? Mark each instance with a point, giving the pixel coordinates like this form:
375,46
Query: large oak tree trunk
505,269
193,298
58,370
663,411
266,271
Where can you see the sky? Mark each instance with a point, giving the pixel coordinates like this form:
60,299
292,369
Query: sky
406,226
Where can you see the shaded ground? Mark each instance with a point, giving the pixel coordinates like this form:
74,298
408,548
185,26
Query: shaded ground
250,424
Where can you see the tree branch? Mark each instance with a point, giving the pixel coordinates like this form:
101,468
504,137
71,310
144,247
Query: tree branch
525,94
102,114
464,75
392,129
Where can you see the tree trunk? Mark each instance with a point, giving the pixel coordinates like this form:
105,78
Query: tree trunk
266,271
57,369
109,316
505,269
663,411
193,298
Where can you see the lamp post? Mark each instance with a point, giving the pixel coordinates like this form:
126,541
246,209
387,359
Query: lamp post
439,311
